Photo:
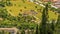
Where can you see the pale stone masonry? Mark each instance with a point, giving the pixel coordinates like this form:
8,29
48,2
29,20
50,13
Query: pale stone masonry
11,30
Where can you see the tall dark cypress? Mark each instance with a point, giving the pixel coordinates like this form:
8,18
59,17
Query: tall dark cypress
58,20
43,29
58,24
52,25
37,29
23,32
52,29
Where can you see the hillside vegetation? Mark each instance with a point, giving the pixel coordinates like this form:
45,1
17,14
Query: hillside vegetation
29,16
24,6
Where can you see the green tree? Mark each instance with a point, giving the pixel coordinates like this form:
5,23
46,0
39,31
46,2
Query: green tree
23,32
2,4
43,29
37,29
58,23
3,13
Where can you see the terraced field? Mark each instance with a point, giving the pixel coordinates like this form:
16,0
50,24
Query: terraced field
26,7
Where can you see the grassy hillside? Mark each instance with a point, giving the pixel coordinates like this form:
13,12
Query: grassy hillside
23,6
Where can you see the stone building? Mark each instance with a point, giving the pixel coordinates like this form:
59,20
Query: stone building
55,2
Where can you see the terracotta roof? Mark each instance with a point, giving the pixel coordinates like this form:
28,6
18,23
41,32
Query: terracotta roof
57,4
50,0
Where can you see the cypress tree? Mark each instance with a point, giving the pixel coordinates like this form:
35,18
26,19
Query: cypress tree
23,32
58,24
52,25
37,29
43,29
58,20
